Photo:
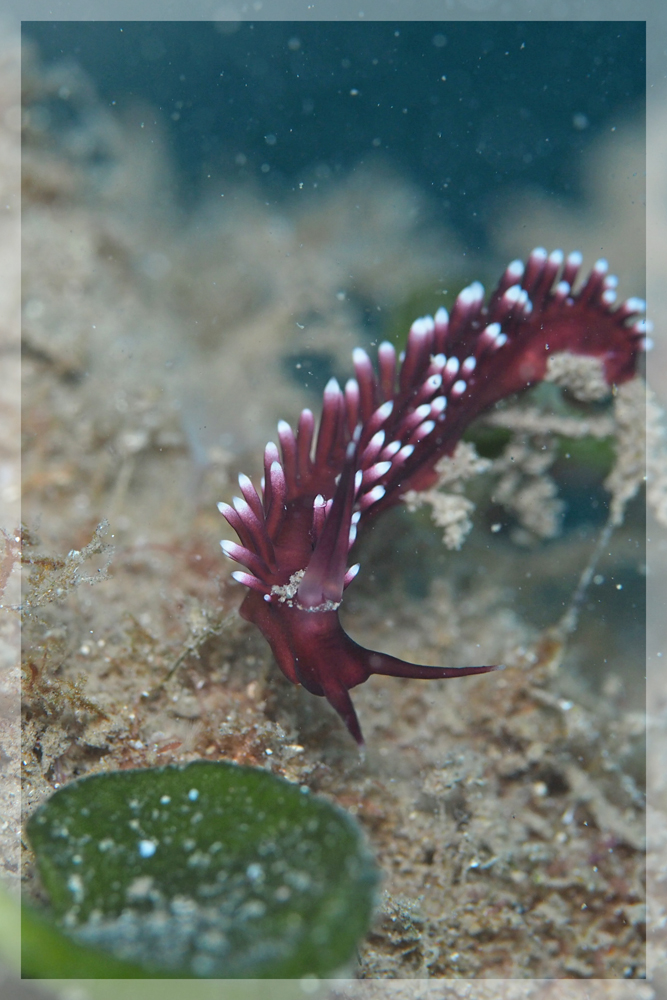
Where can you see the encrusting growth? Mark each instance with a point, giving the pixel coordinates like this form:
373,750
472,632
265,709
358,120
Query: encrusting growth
382,437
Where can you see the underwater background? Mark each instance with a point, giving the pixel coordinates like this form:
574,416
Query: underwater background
214,215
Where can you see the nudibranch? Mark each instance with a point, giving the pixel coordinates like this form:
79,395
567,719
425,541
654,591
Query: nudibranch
383,435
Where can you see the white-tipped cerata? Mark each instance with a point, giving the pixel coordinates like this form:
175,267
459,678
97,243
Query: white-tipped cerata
471,294
515,270
250,581
368,499
404,453
422,326
513,294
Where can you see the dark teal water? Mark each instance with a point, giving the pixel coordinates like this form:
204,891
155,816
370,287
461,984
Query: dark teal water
463,109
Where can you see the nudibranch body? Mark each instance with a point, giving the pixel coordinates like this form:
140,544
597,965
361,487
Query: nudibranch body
383,436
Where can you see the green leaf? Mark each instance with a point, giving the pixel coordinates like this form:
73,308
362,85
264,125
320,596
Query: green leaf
47,953
205,870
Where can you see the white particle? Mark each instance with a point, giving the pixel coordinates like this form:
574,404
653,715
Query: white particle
193,794
147,848
75,886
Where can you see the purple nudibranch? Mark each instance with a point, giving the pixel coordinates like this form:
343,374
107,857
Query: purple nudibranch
383,436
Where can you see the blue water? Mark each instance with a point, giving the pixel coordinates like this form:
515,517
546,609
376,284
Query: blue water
463,109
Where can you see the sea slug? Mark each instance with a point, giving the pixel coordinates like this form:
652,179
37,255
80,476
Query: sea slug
383,435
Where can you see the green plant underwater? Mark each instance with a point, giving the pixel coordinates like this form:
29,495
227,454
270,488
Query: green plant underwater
207,869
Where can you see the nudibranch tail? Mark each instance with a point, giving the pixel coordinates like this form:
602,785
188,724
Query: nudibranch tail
383,436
